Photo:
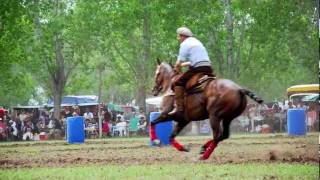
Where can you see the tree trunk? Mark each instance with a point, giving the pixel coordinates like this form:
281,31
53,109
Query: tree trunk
59,76
216,45
36,21
250,53
100,69
229,25
57,96
146,56
237,61
142,97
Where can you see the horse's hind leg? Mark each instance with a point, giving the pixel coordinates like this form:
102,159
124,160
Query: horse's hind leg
212,144
178,127
227,121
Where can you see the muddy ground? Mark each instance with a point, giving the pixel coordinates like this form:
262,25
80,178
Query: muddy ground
136,151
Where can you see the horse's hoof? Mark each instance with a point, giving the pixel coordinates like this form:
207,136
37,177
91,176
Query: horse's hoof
185,149
156,143
202,159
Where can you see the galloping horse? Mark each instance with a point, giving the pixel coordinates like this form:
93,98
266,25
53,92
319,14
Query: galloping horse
220,100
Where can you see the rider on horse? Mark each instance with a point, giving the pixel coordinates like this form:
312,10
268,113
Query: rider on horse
219,100
192,53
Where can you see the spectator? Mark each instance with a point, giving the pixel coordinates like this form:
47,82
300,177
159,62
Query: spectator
244,121
302,105
105,128
27,132
277,117
2,113
120,127
67,112
311,118
252,113
142,125
19,126
76,111
3,129
22,117
88,115
291,105
41,126
86,127
7,116
14,130
107,115
51,124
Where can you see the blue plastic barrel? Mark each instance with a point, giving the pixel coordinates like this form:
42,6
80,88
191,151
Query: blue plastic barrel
75,130
296,122
163,130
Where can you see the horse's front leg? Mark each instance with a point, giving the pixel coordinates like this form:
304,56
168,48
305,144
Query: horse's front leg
162,118
177,129
166,107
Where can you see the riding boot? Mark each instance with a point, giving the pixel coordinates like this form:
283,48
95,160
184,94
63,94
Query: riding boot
179,101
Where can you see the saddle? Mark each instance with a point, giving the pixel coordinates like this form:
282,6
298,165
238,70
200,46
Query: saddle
198,82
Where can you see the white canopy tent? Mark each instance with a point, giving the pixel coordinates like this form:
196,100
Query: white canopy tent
156,101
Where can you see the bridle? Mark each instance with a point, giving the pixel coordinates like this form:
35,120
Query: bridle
158,81
164,73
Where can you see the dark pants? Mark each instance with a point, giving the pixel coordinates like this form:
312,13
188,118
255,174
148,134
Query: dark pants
182,81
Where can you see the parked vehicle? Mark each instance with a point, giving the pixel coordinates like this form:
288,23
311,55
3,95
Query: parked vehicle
298,92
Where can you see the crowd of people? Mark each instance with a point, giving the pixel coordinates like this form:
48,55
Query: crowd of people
272,117
28,124
120,125
31,123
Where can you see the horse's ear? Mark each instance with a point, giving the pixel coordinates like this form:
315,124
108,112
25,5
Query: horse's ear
158,61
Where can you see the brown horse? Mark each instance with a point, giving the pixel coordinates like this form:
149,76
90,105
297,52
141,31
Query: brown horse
220,100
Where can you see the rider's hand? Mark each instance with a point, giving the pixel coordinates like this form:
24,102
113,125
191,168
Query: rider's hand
177,68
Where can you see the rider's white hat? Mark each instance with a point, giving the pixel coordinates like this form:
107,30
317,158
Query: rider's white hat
184,31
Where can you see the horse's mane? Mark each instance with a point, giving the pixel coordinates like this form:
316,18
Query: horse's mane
167,67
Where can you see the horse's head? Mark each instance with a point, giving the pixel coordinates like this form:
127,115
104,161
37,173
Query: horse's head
162,78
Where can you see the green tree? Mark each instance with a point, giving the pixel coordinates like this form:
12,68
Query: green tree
57,49
16,84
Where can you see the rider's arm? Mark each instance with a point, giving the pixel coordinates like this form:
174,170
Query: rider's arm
177,66
182,58
182,64
185,64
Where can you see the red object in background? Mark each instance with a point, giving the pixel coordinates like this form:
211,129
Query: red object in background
265,130
105,128
3,125
43,137
2,112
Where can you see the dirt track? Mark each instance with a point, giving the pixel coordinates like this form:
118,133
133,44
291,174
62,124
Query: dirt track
131,151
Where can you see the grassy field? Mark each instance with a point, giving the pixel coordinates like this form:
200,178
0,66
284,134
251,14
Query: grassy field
240,157
182,171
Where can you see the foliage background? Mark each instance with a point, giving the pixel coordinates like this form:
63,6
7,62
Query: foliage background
109,47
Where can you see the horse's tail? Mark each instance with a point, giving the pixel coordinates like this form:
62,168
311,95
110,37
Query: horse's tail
252,95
